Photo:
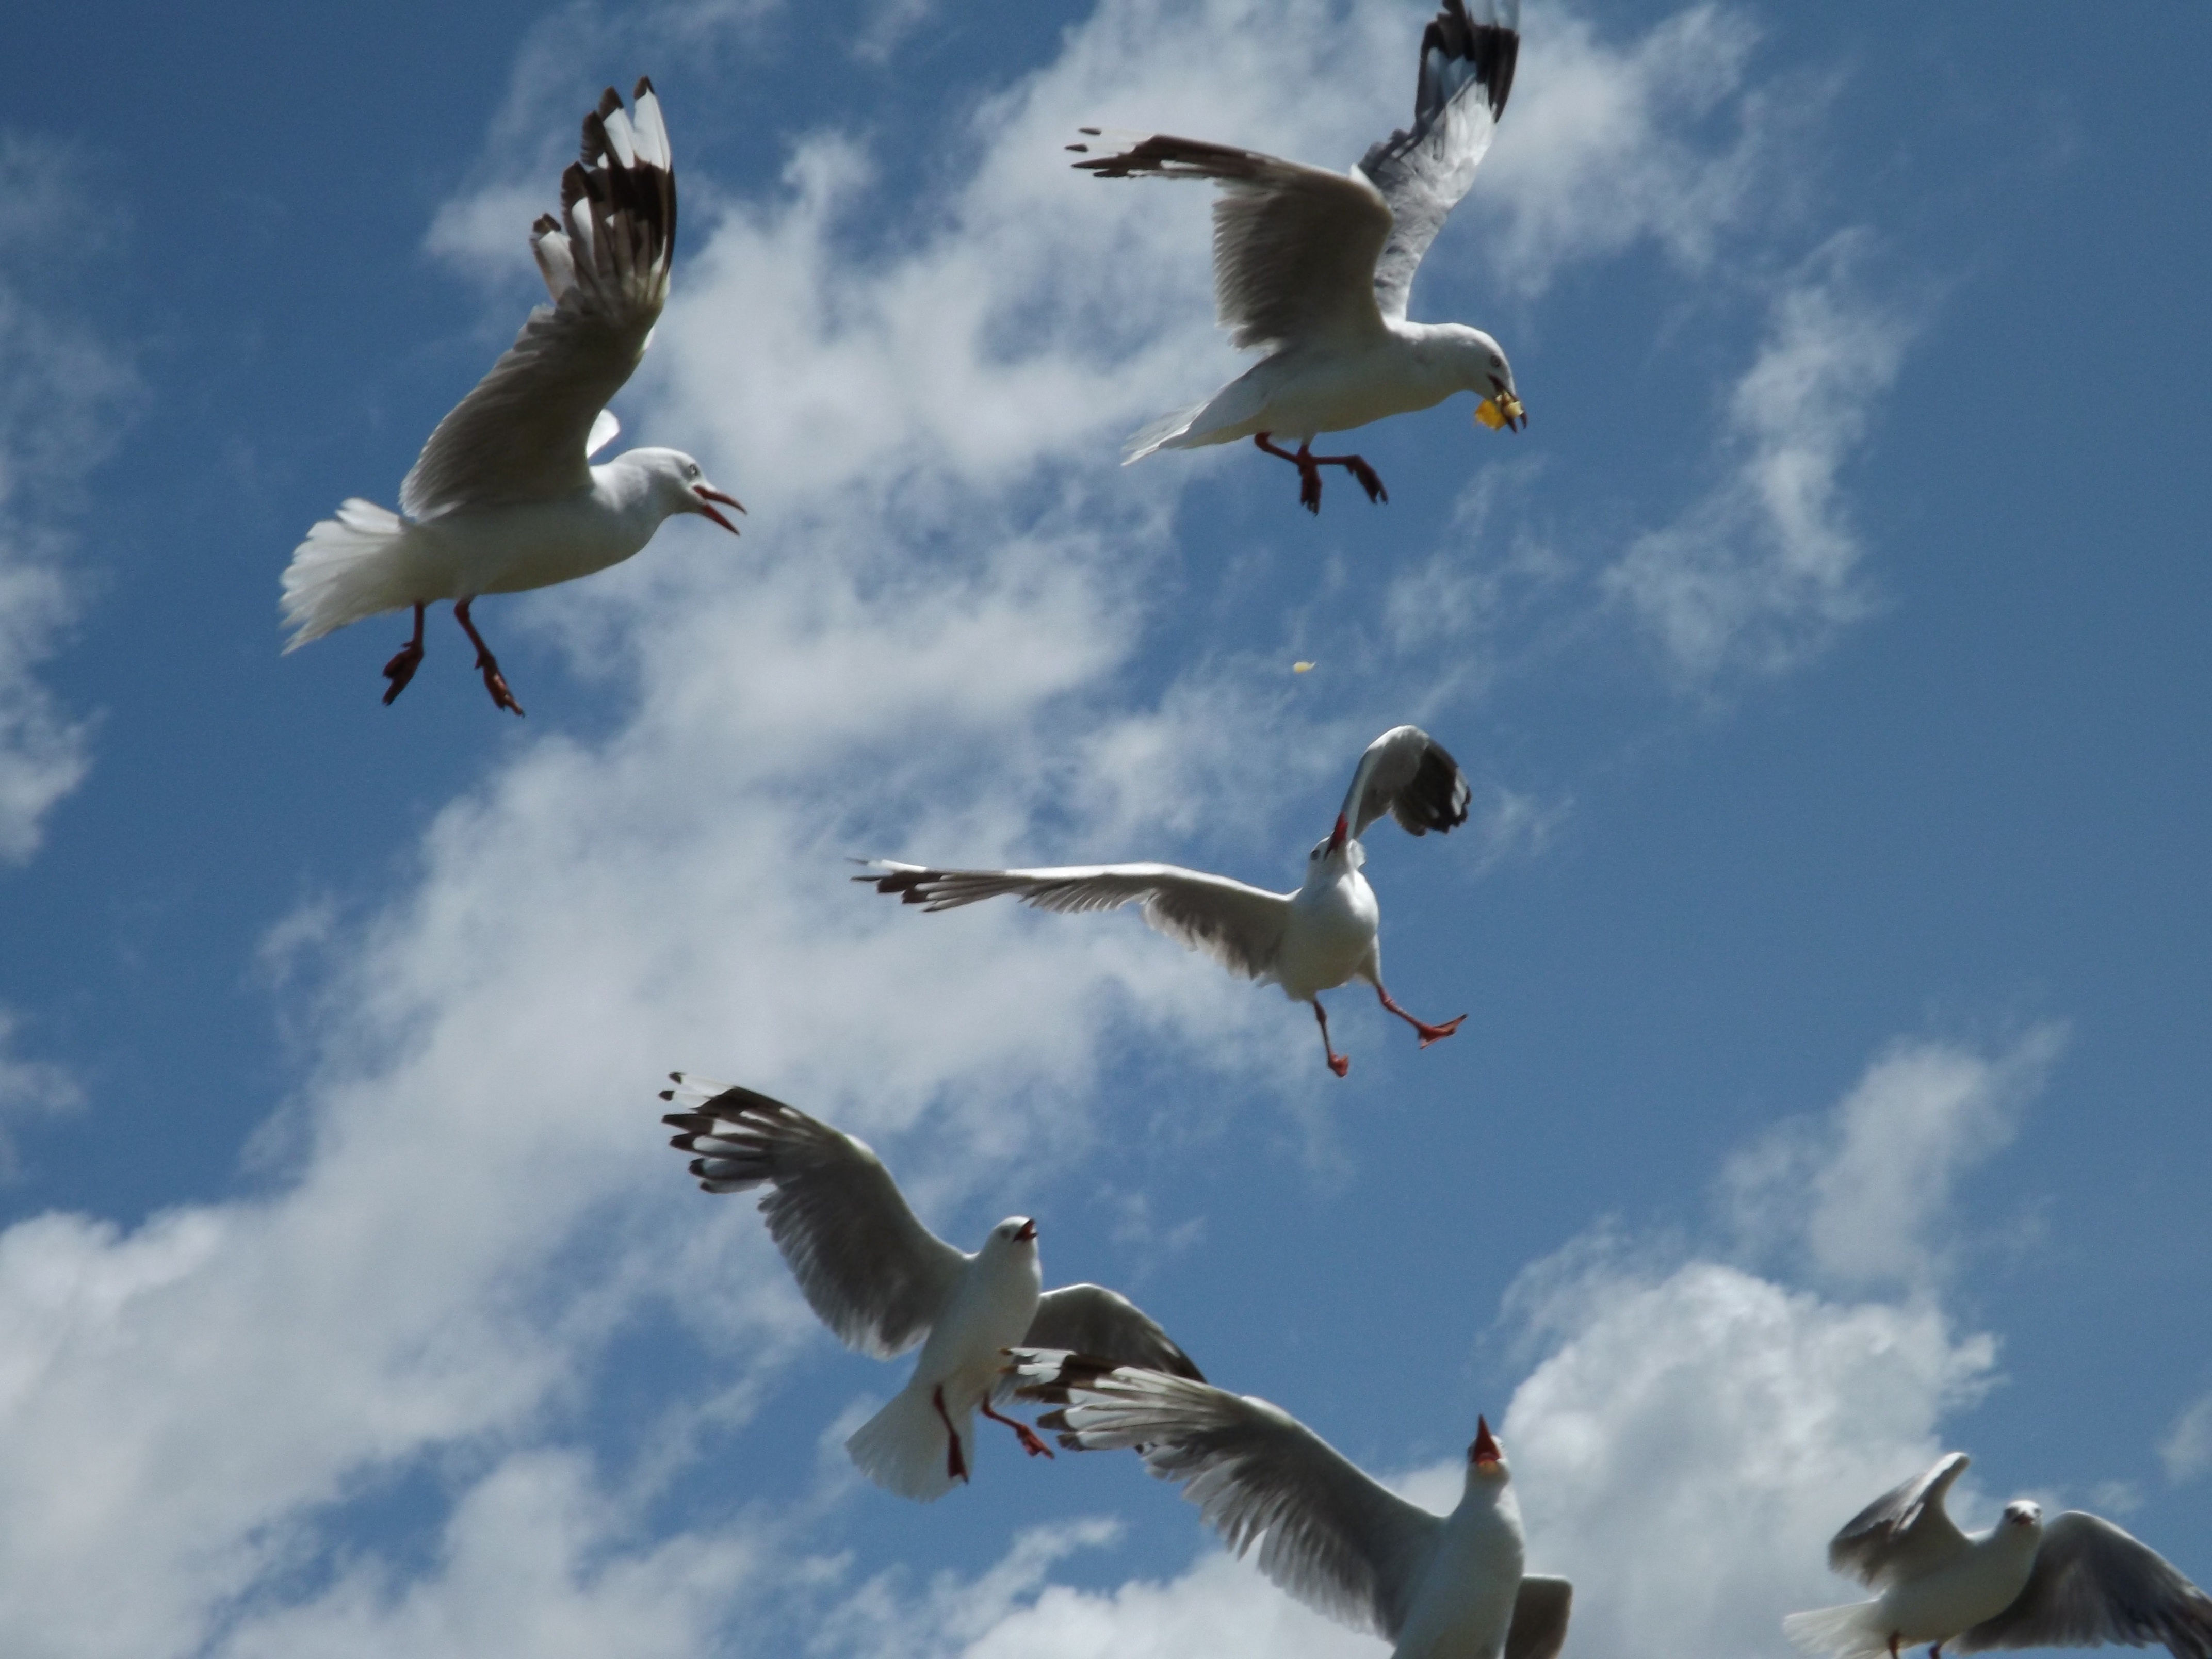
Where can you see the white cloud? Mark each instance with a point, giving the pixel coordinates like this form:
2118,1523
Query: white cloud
2187,1451
62,401
1764,568
28,1088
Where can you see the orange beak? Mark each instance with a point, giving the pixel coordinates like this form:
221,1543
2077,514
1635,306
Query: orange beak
1028,1232
1336,835
708,493
1484,1452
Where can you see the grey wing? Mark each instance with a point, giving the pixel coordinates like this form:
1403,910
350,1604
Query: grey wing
1409,775
1326,1532
2094,1583
1294,246
1538,1629
523,434
876,1276
1239,926
1904,1527
1091,1319
1467,72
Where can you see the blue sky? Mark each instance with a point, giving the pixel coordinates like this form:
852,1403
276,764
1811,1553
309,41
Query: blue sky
1827,658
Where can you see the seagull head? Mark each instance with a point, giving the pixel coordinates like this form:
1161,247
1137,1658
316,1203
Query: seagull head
1338,847
1485,1462
681,485
1489,377
1015,1231
2022,1513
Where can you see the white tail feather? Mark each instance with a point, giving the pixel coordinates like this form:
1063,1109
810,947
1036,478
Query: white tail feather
349,568
1845,1632
1158,433
902,1448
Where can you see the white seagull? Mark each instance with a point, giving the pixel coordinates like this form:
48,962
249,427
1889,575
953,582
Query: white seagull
2073,1581
1314,267
1307,942
883,1282
1437,1587
503,496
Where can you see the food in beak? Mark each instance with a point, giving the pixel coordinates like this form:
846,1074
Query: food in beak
1504,410
1487,413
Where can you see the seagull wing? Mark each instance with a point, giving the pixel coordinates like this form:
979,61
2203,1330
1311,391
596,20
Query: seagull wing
876,1276
1326,1533
1407,773
1467,71
1903,1532
2094,1583
1294,246
1089,1319
523,433
1240,927
1539,1618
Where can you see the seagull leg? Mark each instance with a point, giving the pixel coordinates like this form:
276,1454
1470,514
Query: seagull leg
1309,470
1369,480
956,1465
1022,1432
495,682
401,669
1337,1063
1893,1635
1429,1033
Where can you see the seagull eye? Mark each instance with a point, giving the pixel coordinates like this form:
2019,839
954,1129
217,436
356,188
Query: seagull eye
1496,362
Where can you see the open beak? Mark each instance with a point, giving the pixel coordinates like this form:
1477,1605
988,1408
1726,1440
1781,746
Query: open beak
1484,1452
1503,410
1027,1233
708,493
1336,836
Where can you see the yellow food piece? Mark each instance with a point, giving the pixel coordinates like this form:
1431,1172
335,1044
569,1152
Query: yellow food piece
1487,412
1301,667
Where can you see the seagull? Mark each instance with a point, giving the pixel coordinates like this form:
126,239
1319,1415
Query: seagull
1307,942
1448,1587
2076,1581
883,1282
503,496
1314,267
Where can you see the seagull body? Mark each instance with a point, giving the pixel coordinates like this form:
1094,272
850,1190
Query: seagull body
1437,1587
1315,267
883,1282
1321,936
503,496
2076,1581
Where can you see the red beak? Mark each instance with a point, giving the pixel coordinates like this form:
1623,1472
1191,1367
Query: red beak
1028,1232
1336,835
708,493
1484,1450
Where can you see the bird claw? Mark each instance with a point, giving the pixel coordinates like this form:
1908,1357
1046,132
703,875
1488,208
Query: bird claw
401,669
1031,1443
495,682
1437,1033
1310,487
1369,480
1339,1064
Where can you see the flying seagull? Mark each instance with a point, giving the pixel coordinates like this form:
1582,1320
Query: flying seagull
883,1281
1307,942
1437,1587
503,495
1314,267
2073,1581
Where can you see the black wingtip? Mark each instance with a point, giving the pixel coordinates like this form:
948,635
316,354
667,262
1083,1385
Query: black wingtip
644,88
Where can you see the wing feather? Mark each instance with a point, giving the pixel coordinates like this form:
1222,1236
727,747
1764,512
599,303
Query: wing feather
1904,1531
1423,171
1326,1532
1091,1319
1294,246
1409,775
1239,926
874,1274
520,435
2094,1583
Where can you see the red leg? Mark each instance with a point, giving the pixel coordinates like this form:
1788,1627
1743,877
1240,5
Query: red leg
955,1465
1893,1635
1337,1063
1369,480
1308,474
1429,1033
401,669
1022,1432
495,682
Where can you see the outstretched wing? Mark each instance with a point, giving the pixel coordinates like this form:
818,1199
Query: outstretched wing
1407,773
2094,1583
1326,1533
1466,71
1904,1531
1294,246
1103,1324
1240,927
876,1276
523,434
